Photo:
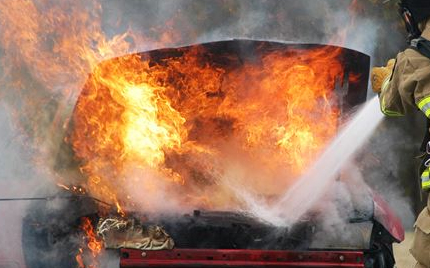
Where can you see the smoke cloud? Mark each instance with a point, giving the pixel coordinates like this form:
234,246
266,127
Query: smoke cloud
38,99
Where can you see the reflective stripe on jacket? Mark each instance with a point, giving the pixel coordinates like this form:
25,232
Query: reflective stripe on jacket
425,179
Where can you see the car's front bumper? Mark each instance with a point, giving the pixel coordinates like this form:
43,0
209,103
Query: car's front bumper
131,258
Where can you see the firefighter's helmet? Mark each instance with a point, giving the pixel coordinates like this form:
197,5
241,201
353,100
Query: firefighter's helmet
414,12
419,9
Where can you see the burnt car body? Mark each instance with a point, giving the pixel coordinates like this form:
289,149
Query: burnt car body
233,238
219,239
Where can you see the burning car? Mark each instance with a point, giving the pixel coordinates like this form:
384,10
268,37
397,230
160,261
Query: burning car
170,144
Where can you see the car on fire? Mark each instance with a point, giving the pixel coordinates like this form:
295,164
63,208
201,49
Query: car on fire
206,237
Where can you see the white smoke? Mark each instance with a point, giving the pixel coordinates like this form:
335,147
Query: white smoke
18,178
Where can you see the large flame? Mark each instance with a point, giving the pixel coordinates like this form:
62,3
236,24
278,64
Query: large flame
186,125
183,121
91,244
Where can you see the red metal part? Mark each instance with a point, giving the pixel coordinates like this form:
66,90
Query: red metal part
385,216
132,258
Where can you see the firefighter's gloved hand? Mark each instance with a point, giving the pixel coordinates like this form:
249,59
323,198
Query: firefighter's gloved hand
380,75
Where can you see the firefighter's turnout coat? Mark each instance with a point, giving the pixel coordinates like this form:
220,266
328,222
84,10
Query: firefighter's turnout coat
407,89
409,85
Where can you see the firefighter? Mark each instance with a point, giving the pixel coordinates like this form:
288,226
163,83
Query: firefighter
403,86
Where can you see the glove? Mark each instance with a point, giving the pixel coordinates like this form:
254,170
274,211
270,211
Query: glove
380,74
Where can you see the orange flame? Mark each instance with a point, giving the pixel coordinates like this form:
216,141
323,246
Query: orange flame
94,244
49,53
133,113
79,258
183,122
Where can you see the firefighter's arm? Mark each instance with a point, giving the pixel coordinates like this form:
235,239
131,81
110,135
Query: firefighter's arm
396,95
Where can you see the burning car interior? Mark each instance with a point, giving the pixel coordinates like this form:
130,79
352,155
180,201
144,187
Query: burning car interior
215,126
